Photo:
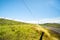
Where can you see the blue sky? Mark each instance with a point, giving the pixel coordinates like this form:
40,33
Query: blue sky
30,10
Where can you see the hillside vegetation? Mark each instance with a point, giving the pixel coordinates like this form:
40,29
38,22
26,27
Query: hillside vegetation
57,25
14,30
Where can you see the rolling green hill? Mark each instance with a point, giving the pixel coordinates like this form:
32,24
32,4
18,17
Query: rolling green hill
14,30
57,25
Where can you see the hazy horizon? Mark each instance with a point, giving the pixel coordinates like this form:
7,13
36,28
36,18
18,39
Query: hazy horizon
56,20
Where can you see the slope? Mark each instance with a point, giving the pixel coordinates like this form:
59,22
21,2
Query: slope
14,30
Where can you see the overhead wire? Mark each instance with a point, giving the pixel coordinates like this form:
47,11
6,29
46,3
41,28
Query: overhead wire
29,10
27,7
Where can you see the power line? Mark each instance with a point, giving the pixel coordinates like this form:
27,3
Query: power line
27,7
29,10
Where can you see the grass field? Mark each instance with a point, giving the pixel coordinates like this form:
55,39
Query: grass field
14,30
57,25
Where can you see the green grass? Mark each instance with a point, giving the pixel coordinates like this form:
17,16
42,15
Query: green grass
57,25
18,32
14,30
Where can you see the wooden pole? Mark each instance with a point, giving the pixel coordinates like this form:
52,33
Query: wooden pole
41,36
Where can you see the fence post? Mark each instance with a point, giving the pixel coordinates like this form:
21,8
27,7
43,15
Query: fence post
41,36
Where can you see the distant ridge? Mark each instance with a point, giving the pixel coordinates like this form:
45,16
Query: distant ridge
41,21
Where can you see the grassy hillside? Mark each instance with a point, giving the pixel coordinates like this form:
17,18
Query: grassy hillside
14,30
51,25
55,25
9,22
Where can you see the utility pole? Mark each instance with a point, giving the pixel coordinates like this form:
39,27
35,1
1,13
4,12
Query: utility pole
41,36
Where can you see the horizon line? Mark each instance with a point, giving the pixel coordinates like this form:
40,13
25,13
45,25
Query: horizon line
42,21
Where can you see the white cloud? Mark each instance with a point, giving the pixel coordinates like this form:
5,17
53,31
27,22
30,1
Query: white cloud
41,21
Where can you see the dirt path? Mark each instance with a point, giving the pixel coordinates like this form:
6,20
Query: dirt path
57,30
